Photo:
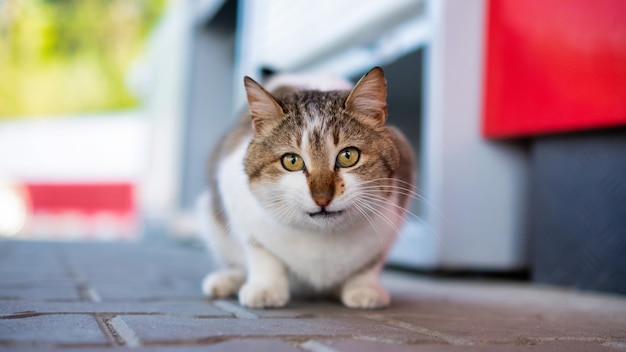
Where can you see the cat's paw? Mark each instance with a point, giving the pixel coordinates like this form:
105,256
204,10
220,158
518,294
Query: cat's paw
256,295
365,297
223,283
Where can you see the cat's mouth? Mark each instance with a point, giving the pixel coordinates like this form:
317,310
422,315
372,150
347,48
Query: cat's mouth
324,214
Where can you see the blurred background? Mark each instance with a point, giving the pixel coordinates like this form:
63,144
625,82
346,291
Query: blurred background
73,134
516,111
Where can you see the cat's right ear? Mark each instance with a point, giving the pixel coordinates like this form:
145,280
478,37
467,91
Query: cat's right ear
368,98
265,110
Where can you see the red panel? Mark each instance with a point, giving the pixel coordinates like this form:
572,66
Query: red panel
554,66
84,198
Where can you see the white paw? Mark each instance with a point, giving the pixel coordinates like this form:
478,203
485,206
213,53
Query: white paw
256,295
365,297
223,283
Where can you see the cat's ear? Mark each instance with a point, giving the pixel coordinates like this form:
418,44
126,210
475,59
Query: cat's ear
368,98
265,110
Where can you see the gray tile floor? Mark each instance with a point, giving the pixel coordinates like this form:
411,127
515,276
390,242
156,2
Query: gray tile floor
115,296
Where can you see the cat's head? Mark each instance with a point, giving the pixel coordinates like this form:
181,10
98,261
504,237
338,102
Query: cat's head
321,159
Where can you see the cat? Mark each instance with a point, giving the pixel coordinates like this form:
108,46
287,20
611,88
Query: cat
307,194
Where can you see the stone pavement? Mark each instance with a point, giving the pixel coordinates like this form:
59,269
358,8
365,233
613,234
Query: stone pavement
118,296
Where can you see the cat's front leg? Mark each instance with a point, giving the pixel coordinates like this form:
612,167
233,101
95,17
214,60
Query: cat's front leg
267,284
364,290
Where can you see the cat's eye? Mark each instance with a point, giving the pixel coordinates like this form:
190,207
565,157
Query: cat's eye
292,162
348,157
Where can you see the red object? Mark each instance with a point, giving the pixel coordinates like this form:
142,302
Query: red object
86,198
554,66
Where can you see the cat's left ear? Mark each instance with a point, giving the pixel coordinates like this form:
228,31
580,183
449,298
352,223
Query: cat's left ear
368,98
265,110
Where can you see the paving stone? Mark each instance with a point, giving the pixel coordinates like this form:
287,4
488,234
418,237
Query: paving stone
257,345
157,329
32,257
355,345
554,346
344,346
52,329
554,321
234,345
501,294
478,325
180,308
145,270
299,308
154,292
67,293
10,277
145,291
306,308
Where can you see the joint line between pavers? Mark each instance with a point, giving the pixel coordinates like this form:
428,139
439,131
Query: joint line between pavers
314,346
106,329
379,339
88,293
238,311
596,339
128,335
451,339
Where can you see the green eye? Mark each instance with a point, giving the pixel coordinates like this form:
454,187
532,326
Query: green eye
348,157
292,162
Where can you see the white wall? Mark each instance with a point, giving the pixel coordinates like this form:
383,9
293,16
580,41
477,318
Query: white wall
98,147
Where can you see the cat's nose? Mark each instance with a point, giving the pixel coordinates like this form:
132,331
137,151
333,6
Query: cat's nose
322,200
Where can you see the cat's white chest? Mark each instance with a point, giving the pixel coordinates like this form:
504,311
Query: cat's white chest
322,259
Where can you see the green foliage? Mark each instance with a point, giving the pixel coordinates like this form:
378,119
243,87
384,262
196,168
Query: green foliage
70,56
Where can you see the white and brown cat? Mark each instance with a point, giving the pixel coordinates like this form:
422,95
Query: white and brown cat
307,194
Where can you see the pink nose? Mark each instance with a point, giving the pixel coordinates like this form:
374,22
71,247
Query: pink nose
322,201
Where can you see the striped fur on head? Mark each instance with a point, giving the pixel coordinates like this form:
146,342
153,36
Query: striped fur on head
317,126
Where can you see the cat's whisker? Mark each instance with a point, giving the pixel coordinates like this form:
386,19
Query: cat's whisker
397,190
394,184
383,201
284,210
402,219
387,186
395,227
408,191
369,191
226,228
372,208
411,190
376,230
390,179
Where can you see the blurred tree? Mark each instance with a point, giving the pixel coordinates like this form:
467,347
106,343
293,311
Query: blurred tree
70,56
